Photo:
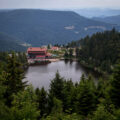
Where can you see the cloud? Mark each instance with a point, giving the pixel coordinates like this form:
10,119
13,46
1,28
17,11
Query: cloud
58,4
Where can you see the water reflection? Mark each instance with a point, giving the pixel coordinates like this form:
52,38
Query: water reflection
41,75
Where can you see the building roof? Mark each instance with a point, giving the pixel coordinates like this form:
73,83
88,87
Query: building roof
54,48
31,49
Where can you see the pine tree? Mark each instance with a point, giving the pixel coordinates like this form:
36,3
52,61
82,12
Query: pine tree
101,86
4,110
66,54
102,114
48,47
57,106
56,86
56,90
42,100
85,97
24,105
56,113
68,96
13,78
70,52
115,87
77,52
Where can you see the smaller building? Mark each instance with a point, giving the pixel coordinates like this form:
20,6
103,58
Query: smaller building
54,48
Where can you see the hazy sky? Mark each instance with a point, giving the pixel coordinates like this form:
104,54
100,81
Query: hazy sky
59,4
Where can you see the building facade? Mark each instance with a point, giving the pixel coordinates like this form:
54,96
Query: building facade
37,53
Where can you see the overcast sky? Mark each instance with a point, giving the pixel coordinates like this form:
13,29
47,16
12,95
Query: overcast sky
60,4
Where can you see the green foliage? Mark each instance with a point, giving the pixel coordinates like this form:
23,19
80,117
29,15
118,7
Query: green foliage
66,55
22,58
100,51
117,114
73,116
70,52
115,87
101,88
13,78
56,113
42,100
56,86
3,61
24,105
8,43
68,96
4,110
77,52
57,106
85,97
102,114
48,47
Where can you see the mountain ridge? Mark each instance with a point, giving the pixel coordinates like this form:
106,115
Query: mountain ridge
111,19
42,27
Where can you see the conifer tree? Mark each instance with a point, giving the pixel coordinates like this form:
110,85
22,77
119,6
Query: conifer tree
68,98
77,52
24,105
70,52
56,113
42,100
13,78
85,97
101,86
66,54
115,87
57,106
56,86
4,110
56,90
102,114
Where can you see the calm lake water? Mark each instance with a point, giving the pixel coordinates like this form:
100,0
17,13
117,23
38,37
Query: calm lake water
41,76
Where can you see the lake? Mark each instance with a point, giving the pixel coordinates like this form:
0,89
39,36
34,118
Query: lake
41,75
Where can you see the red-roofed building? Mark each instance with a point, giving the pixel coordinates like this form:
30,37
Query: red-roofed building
36,52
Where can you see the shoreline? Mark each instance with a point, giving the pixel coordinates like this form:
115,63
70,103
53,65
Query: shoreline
47,61
94,69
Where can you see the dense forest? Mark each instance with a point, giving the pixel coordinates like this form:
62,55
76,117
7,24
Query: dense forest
101,51
41,27
64,100
9,43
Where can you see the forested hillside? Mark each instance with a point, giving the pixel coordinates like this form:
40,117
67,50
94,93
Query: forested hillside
41,27
8,43
101,51
111,19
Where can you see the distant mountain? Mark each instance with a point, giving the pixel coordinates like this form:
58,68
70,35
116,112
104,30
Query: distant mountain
111,19
96,12
41,27
8,43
